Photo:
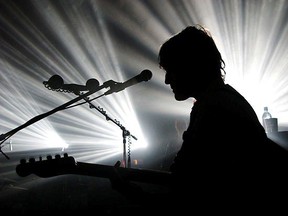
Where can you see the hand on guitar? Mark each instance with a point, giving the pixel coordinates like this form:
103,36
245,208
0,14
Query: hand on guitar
123,185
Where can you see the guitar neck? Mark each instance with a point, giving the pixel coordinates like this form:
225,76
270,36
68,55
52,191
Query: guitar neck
68,165
132,174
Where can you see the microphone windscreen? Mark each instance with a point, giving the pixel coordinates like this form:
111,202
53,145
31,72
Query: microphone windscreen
55,82
92,84
146,75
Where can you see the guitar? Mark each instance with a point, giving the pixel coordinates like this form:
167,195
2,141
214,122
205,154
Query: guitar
67,165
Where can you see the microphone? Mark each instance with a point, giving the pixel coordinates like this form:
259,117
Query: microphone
145,75
56,83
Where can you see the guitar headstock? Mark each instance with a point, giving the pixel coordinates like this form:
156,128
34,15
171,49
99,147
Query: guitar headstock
48,167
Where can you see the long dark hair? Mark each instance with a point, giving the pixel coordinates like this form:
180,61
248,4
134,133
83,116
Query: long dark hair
193,43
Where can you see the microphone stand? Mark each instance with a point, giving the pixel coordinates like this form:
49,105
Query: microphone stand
7,135
125,132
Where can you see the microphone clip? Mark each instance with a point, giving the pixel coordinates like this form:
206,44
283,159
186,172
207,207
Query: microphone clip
114,86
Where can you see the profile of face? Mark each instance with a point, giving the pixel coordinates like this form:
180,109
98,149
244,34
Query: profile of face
183,80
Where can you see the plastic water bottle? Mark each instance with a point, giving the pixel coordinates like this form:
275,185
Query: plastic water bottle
266,115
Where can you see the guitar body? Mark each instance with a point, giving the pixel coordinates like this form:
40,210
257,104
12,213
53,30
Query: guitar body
67,165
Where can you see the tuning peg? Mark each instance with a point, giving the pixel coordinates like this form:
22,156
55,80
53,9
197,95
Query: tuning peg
22,161
31,160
